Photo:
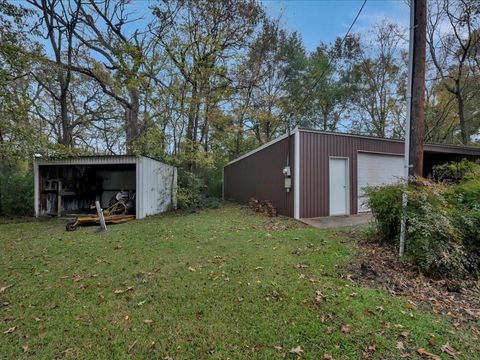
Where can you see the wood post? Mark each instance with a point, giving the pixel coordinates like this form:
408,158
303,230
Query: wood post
103,226
59,198
417,124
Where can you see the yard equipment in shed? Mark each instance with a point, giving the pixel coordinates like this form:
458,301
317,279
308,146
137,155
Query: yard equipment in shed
120,211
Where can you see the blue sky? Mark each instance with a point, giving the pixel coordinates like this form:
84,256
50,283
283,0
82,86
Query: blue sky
317,20
324,20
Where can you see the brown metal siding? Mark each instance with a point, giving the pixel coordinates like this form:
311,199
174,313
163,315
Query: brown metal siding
315,150
260,176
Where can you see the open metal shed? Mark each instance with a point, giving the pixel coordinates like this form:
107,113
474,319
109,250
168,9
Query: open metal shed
65,186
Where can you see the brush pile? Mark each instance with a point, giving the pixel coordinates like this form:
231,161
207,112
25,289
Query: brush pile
265,207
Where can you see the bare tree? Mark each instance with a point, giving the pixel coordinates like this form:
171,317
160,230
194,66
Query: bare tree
382,75
60,36
118,56
452,39
204,37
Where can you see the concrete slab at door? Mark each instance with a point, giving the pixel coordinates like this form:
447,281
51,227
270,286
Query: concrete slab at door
338,186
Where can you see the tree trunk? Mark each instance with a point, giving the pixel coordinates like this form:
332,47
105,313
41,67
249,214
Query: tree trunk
206,123
67,137
191,115
461,116
131,121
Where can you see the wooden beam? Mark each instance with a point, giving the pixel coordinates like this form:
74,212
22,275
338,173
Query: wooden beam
101,218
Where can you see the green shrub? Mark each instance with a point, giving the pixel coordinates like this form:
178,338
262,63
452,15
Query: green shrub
199,179
386,206
16,191
443,224
192,192
465,195
468,223
465,199
434,243
456,171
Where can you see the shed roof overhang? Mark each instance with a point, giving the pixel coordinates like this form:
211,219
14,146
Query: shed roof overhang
452,149
91,160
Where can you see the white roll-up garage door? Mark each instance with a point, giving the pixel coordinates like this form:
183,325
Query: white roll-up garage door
376,169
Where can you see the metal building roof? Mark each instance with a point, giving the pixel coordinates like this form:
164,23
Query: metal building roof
91,160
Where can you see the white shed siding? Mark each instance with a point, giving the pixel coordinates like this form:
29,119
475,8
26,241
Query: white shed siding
156,187
36,190
155,182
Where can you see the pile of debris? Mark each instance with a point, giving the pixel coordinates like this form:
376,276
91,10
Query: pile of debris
264,206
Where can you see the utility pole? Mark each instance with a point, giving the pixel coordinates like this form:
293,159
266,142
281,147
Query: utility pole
417,119
415,124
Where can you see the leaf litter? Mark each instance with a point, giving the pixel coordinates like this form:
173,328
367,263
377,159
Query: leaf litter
379,266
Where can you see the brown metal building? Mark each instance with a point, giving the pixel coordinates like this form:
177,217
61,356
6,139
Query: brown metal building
315,173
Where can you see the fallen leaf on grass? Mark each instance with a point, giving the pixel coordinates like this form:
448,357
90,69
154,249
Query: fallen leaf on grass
278,347
400,345
148,321
121,291
73,298
346,328
370,349
427,355
432,341
25,348
77,277
10,330
66,351
325,317
192,269
449,350
130,348
3,288
319,297
297,351
301,266
327,357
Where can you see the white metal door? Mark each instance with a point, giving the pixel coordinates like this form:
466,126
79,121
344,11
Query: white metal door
376,169
339,191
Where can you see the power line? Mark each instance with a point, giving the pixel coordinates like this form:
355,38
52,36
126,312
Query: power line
308,94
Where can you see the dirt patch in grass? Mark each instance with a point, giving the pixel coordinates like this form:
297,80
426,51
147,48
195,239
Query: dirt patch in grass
278,224
378,265
272,223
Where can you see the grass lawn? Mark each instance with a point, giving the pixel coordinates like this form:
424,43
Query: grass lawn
218,284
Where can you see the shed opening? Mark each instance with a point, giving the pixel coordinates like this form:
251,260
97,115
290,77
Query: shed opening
73,189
